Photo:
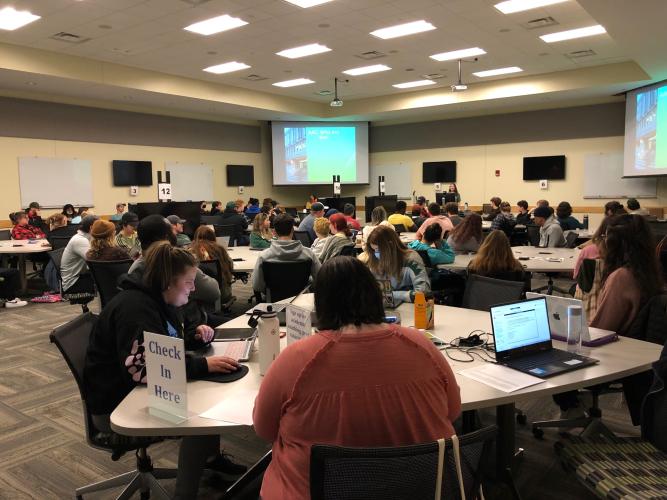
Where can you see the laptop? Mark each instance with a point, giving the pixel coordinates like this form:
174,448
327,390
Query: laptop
223,241
523,340
388,299
281,309
557,310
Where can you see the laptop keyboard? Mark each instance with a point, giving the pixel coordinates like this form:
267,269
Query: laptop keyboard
535,360
237,349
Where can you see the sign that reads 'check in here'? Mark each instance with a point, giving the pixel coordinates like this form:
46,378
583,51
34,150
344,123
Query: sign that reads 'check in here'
165,374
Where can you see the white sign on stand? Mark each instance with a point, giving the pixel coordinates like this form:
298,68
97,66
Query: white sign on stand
438,187
165,375
134,190
164,191
298,323
336,187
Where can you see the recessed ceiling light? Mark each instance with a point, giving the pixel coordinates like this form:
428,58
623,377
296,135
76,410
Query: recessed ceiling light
458,54
416,83
496,72
219,69
403,29
365,70
572,34
11,19
307,3
293,83
303,51
216,25
512,6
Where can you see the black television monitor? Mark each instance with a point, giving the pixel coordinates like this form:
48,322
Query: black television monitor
442,198
240,175
338,203
536,168
132,173
387,201
438,171
188,210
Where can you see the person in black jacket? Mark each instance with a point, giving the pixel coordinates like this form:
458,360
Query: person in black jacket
115,363
233,216
523,217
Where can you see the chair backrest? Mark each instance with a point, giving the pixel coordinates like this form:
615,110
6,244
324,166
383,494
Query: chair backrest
224,229
59,241
304,238
211,219
481,292
533,235
348,251
56,257
106,275
213,269
400,472
68,230
5,234
400,228
571,239
654,408
285,279
425,258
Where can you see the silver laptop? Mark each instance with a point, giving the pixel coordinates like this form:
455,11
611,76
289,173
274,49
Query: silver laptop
222,241
557,309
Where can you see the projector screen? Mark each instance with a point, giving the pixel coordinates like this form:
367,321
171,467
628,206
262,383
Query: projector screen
306,153
646,132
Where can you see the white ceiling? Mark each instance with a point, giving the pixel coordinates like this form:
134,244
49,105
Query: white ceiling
148,34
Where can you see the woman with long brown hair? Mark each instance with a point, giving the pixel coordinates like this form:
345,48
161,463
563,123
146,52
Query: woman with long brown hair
205,247
389,259
467,236
496,260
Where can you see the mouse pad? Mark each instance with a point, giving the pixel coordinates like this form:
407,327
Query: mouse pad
227,377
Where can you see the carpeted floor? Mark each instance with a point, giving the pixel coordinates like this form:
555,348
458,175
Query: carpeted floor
44,455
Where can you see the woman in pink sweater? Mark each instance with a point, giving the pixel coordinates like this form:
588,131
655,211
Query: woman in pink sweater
357,382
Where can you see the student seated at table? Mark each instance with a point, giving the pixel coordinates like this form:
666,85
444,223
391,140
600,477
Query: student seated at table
120,210
452,212
73,268
83,211
115,361
348,212
323,231
311,199
182,239
631,277
551,234
339,240
356,382
523,217
34,217
261,235
127,236
496,260
378,218
399,217
635,208
614,208
56,222
432,243
205,247
69,212
467,236
504,221
233,216
283,249
419,208
307,223
216,208
591,250
252,207
22,230
103,243
389,259
565,219
495,209
435,217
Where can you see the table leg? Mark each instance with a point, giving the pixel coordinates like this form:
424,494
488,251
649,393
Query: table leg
24,279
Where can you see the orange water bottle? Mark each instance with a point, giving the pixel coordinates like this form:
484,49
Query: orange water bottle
423,311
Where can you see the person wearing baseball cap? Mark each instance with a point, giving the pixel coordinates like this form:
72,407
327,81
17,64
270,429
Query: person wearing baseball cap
551,234
127,236
233,216
308,223
103,243
182,239
34,217
120,209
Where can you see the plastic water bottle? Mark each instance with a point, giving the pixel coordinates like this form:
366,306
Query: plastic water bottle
268,332
586,221
465,205
574,327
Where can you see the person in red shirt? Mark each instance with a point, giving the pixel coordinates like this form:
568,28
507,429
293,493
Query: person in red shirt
348,212
24,231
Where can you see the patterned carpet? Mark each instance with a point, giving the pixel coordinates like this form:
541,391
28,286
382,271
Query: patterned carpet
44,455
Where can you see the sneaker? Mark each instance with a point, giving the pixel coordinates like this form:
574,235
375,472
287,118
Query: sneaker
15,303
224,465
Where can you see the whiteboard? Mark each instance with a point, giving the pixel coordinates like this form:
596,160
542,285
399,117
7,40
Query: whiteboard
397,178
190,181
603,179
54,182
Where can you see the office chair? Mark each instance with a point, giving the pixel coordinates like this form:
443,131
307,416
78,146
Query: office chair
5,235
400,472
533,235
481,292
226,230
106,275
213,269
304,238
81,298
72,340
211,220
285,279
348,251
57,242
571,239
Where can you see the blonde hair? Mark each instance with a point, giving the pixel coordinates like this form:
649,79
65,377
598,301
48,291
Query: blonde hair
56,221
494,255
321,226
258,226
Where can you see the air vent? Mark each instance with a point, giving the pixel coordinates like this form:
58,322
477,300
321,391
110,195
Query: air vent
195,2
542,22
324,92
578,54
433,76
68,37
254,78
370,55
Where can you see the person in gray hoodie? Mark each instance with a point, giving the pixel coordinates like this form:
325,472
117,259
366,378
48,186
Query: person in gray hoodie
551,234
283,249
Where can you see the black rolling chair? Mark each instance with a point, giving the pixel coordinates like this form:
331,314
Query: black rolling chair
285,279
481,292
571,239
211,219
226,230
401,472
425,258
81,298
213,269
348,251
533,235
57,242
5,235
106,275
72,340
304,238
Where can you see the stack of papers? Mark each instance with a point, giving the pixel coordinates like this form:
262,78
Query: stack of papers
235,409
501,377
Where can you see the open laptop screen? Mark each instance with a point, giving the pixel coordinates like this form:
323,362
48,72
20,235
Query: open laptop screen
520,325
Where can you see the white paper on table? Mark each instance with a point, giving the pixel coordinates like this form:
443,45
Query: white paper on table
501,377
235,409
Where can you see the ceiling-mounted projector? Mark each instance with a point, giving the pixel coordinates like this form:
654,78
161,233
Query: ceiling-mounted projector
458,87
336,102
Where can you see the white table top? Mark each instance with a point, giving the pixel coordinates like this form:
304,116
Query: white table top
537,263
249,258
24,246
618,359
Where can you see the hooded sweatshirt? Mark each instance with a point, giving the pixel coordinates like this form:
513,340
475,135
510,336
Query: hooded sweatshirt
551,234
283,251
442,254
115,362
333,246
